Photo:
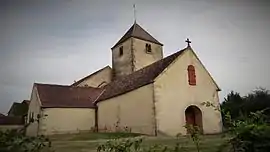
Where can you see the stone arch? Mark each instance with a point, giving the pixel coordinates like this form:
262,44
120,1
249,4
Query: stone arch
193,116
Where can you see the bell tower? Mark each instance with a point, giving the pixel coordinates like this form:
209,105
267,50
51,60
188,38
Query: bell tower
135,50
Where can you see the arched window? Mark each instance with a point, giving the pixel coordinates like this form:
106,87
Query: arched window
191,75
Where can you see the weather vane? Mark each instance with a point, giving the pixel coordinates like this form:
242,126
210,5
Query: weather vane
134,11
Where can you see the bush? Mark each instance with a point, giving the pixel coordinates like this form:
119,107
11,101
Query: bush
134,145
251,134
16,141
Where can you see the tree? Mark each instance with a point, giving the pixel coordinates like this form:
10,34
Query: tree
239,107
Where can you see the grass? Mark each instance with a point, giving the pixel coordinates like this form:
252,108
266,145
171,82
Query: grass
90,136
88,142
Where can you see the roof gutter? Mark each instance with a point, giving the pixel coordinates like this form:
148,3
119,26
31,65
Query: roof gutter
95,101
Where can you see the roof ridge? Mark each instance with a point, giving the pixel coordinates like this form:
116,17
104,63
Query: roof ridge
138,78
82,79
138,32
169,56
67,86
47,84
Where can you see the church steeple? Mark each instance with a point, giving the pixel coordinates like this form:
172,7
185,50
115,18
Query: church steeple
135,50
138,32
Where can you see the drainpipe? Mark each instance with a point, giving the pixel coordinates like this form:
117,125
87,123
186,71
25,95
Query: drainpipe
96,109
154,110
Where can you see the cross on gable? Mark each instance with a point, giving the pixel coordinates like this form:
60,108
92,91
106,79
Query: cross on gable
188,41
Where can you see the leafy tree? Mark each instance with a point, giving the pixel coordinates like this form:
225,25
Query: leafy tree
240,107
234,104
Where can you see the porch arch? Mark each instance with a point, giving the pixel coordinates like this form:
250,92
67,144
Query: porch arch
193,116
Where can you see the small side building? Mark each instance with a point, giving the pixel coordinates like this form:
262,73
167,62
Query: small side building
61,109
11,123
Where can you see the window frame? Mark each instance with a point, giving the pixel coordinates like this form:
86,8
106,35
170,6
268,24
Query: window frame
121,51
191,75
148,48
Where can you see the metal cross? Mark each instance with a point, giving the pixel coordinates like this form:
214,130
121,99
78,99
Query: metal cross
188,41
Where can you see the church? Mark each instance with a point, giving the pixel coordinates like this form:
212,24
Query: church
142,92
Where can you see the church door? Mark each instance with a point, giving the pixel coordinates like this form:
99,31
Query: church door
194,116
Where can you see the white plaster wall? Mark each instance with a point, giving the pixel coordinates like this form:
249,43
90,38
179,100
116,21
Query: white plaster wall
133,109
67,120
173,95
97,79
35,108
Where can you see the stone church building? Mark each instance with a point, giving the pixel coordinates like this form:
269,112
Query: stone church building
143,92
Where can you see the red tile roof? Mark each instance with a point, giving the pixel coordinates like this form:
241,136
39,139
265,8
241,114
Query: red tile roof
81,80
138,78
53,96
67,96
11,120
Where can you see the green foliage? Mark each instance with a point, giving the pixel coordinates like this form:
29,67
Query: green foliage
18,109
17,141
194,132
240,107
249,133
135,145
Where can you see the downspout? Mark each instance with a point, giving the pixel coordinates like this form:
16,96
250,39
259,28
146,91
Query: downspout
96,109
96,119
154,110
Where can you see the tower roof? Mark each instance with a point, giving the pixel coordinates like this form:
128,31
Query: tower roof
138,32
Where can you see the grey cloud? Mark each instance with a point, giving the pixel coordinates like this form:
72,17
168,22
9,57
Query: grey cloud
61,41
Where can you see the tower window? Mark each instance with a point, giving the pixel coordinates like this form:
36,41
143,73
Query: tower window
148,48
121,51
191,75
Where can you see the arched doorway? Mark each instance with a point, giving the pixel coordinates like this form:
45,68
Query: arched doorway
194,117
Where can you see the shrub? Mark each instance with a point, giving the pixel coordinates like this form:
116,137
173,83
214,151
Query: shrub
251,135
15,141
134,145
248,134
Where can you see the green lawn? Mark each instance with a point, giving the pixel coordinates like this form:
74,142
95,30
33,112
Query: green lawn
90,136
88,142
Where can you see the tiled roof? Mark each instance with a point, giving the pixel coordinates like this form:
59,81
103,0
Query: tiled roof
81,80
137,79
11,120
137,31
67,96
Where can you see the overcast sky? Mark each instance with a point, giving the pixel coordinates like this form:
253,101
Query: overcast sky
59,41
